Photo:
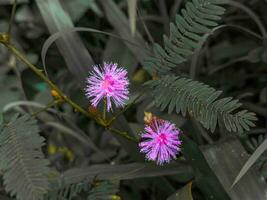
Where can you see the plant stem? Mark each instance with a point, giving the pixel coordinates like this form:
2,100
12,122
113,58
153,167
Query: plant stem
39,73
49,105
124,110
64,98
123,134
104,109
12,17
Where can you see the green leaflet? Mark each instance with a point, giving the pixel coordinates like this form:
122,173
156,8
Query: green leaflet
201,101
187,34
22,160
104,190
66,191
100,190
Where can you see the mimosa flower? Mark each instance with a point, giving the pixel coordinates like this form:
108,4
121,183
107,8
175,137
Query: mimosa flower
161,141
109,83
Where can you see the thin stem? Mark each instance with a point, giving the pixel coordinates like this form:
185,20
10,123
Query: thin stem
251,14
49,105
123,134
39,73
104,109
12,17
63,97
145,27
164,13
5,39
175,7
124,110
227,64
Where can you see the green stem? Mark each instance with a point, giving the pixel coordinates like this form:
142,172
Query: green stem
123,134
39,73
63,97
104,109
12,17
124,110
49,105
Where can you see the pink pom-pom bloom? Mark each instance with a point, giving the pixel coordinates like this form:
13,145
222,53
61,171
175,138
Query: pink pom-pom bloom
160,141
109,83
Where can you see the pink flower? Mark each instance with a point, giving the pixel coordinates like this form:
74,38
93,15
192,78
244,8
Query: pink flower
109,83
161,141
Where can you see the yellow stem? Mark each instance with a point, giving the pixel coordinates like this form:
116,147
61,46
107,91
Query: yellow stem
5,38
39,73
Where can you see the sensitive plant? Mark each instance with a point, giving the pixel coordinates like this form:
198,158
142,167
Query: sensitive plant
110,84
161,141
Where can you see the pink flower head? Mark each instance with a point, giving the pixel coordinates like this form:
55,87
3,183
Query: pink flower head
109,83
161,141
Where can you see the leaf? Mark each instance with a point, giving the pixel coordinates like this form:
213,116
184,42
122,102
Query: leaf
78,8
100,190
22,160
123,171
1,118
117,51
76,56
9,88
205,178
33,104
103,191
250,13
226,158
187,34
6,2
130,147
62,191
66,31
5,198
252,159
119,21
202,102
132,6
183,193
79,135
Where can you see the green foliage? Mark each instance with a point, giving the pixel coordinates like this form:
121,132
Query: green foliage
186,35
22,161
205,178
183,193
100,191
97,155
65,192
184,95
103,191
202,102
251,161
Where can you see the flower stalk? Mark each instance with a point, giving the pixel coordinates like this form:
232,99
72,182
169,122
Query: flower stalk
5,39
41,75
104,110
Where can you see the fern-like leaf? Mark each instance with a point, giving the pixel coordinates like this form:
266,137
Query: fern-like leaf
104,191
66,192
186,35
202,102
22,161
99,191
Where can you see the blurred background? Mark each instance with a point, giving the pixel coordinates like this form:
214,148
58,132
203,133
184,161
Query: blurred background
233,60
